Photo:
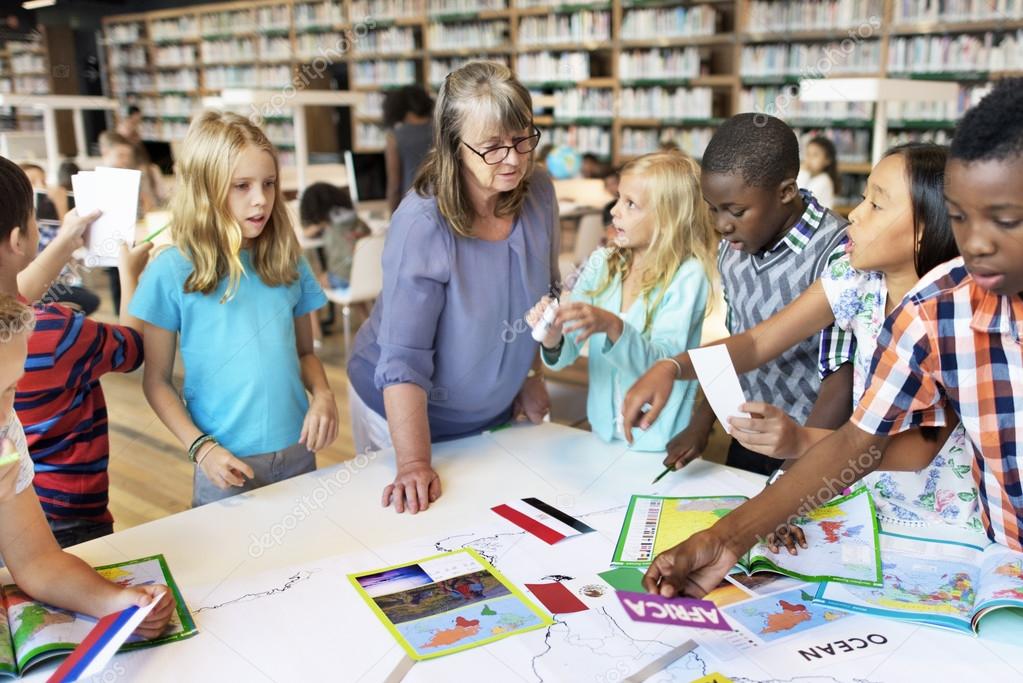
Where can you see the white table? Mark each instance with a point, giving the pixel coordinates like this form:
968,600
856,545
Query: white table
283,610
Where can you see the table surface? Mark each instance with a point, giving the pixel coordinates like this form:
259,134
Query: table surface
265,573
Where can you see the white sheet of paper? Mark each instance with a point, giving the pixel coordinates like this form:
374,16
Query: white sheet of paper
719,382
99,663
115,192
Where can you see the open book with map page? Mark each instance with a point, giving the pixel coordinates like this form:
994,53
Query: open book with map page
942,583
841,536
32,632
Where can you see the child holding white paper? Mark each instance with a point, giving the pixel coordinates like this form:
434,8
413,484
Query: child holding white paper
238,292
899,232
28,548
644,298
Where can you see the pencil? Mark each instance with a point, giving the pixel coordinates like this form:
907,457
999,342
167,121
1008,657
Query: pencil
660,476
150,236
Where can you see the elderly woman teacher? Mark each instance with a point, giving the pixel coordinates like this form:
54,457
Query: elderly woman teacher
444,353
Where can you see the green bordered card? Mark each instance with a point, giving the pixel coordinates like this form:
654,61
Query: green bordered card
447,603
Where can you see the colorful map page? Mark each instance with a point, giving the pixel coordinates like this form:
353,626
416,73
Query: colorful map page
781,615
436,634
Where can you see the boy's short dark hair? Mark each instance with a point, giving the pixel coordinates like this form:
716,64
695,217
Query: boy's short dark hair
760,148
319,200
409,98
16,190
993,128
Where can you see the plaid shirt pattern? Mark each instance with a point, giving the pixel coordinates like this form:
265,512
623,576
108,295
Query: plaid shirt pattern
953,346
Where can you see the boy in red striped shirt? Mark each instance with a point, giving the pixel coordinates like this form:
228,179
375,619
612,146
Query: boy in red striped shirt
59,400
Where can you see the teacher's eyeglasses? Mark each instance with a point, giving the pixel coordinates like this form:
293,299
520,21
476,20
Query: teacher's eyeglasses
496,155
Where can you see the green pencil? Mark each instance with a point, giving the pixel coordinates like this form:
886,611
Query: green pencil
150,236
660,476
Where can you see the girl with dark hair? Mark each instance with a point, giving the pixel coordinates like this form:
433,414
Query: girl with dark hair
408,113
899,232
819,171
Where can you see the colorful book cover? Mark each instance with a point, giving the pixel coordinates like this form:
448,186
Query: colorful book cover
447,603
941,583
32,632
842,536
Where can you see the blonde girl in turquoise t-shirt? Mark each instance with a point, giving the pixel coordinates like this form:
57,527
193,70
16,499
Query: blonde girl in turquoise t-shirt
237,292
644,298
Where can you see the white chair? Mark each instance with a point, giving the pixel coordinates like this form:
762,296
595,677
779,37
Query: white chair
365,284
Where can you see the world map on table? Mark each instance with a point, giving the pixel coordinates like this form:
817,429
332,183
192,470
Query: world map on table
782,614
917,585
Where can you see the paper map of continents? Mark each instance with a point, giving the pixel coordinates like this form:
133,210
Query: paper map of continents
842,544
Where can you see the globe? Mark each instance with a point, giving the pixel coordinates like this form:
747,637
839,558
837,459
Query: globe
563,162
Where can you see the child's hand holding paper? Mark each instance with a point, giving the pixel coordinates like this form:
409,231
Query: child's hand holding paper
769,431
719,382
115,192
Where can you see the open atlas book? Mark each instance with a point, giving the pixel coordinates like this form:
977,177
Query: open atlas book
32,632
941,583
841,536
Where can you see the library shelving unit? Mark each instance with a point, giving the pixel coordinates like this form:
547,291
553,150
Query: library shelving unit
24,70
616,78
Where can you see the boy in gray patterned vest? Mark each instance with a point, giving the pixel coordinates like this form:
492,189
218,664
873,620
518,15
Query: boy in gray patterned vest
776,241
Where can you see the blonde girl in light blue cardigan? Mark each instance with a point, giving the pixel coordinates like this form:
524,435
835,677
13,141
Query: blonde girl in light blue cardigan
643,298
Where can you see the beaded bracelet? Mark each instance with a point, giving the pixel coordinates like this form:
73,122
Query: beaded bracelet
194,448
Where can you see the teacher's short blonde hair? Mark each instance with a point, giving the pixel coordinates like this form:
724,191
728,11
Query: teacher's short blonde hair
478,89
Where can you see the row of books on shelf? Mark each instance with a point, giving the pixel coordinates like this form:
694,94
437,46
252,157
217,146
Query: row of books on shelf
390,39
268,77
372,105
811,60
28,63
596,103
179,28
665,103
950,11
584,139
395,9
810,15
312,14
546,67
969,96
369,136
471,35
784,102
326,45
128,57
697,20
692,141
384,72
175,55
659,63
435,7
180,106
961,53
565,28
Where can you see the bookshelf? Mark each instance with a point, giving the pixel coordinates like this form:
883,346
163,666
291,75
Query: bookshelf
617,77
24,70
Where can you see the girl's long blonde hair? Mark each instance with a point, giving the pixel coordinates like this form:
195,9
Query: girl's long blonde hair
201,223
682,227
487,91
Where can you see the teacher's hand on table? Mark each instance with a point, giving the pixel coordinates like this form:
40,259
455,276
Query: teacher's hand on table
653,389
415,486
533,402
694,567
